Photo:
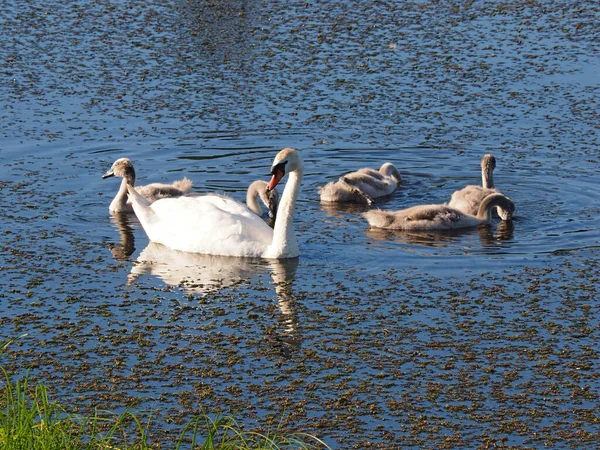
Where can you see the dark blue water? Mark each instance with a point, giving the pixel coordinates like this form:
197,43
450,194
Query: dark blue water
395,339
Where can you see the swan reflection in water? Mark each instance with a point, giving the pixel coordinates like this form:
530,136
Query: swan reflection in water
200,274
488,235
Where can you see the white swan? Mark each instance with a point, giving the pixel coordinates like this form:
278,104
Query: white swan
439,217
259,189
123,167
470,197
217,225
362,186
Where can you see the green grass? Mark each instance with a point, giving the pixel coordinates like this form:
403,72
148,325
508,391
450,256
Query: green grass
29,420
224,433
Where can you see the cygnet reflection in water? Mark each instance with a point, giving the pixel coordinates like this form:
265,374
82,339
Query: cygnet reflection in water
335,209
200,274
488,235
123,250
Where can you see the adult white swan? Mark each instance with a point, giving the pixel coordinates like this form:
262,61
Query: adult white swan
217,225
123,167
362,186
470,197
439,217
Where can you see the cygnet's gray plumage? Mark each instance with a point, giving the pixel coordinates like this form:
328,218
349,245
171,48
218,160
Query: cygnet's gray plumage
470,197
362,186
440,217
270,198
123,167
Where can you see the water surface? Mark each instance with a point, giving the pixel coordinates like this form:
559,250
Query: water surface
371,339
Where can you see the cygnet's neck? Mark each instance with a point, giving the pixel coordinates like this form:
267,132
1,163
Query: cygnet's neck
389,170
485,208
252,201
487,177
120,201
284,239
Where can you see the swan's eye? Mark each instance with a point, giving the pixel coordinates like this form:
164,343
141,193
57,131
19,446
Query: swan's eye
278,168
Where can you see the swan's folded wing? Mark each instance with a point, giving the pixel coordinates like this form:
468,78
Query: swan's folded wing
371,182
209,224
434,213
367,172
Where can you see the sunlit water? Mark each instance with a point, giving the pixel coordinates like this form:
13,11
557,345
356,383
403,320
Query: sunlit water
392,338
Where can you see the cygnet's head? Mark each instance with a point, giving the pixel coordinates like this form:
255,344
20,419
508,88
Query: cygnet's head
271,199
506,210
122,167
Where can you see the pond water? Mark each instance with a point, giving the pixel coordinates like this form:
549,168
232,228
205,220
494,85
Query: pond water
370,339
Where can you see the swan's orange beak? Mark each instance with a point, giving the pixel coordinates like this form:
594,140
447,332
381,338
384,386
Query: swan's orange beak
277,176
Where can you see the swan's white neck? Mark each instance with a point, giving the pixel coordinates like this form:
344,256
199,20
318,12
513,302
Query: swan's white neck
284,243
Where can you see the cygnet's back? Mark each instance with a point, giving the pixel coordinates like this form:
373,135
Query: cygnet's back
362,186
470,197
154,191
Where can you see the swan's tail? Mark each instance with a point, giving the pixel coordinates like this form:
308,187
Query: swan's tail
184,185
137,198
378,218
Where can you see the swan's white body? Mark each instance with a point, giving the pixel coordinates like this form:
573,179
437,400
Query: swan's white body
217,225
123,167
362,186
470,197
439,217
